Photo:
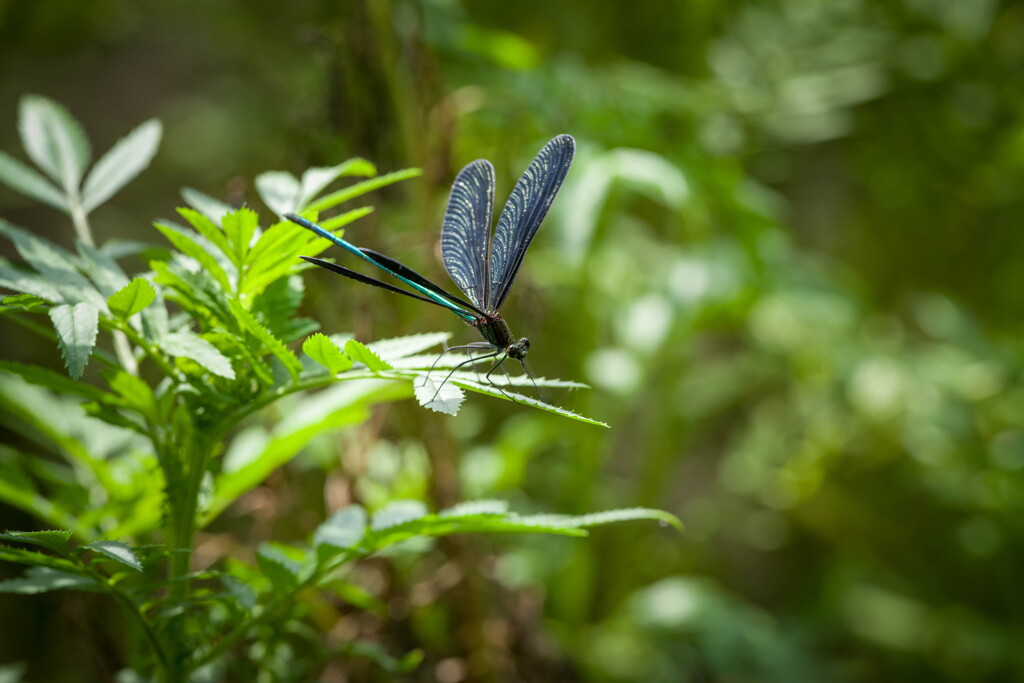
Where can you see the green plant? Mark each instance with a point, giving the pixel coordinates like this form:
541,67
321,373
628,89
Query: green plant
139,442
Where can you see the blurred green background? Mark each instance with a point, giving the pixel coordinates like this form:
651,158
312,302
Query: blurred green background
788,259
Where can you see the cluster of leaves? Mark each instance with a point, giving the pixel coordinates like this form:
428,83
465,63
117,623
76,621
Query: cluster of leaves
199,342
244,601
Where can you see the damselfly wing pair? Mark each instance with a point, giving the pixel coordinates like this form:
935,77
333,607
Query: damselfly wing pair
483,265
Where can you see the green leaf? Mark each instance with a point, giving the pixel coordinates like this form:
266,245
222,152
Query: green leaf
316,179
210,230
283,572
27,181
189,345
272,343
23,302
494,391
341,220
43,579
76,328
191,248
133,391
361,354
118,552
125,160
403,347
325,352
214,209
51,539
101,268
132,298
398,512
275,307
279,190
594,519
29,283
54,140
343,530
55,264
240,226
433,392
35,558
476,507
353,191
45,377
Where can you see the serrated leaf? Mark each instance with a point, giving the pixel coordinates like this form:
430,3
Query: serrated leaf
496,392
403,347
54,140
22,302
210,230
43,579
476,507
133,390
76,328
29,283
353,191
184,243
398,512
325,352
117,551
279,190
55,264
191,346
283,572
344,529
594,519
122,162
214,209
276,305
316,179
436,394
132,298
361,354
51,539
101,268
272,343
27,181
240,226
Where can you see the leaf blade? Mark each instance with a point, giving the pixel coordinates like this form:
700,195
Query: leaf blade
132,298
54,140
76,326
122,162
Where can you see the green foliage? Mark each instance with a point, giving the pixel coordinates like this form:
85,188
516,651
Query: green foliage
172,423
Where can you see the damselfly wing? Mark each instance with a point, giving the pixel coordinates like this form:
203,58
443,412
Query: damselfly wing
482,264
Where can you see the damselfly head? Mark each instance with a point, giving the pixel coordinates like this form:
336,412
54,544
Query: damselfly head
518,349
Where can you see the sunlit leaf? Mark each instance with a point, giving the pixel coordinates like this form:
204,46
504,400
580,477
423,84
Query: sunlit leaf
325,352
125,160
54,140
188,345
214,209
344,529
434,393
353,191
279,190
117,551
76,328
132,298
361,354
29,182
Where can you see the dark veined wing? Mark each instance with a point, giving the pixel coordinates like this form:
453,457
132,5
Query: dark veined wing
466,232
525,209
